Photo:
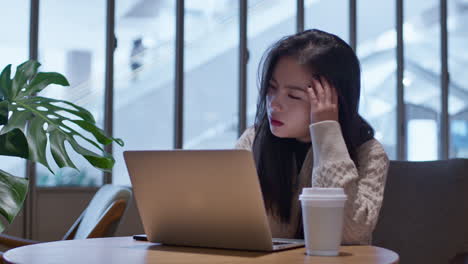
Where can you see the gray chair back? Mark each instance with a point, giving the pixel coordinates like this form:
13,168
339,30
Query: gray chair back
424,216
99,205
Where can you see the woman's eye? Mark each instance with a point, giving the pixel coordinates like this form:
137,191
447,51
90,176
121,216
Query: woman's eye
294,97
271,89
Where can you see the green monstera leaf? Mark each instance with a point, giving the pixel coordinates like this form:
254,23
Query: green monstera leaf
31,122
13,191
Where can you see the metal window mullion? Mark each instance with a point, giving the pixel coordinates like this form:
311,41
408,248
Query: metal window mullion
29,204
179,77
444,83
109,83
401,112
243,58
352,24
300,16
34,30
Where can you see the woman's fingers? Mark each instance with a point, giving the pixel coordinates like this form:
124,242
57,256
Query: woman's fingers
311,93
317,86
326,90
323,100
322,91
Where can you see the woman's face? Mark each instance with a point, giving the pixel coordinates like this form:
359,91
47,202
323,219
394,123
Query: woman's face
287,100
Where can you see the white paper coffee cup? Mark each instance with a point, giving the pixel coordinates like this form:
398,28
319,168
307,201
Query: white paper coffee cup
322,214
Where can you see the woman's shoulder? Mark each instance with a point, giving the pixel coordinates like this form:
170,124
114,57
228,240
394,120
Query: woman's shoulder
373,149
246,139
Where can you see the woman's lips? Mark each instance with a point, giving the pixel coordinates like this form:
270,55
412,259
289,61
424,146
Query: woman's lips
276,123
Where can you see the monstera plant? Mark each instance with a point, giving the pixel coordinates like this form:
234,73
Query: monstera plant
30,122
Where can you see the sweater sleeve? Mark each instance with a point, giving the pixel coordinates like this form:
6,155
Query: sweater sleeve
364,185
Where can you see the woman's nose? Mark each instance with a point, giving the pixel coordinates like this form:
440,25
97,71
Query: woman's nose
275,104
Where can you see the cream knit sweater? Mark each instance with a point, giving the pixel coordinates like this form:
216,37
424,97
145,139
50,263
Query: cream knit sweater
328,164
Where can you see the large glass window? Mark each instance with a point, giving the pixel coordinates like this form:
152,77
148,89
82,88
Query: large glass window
458,90
328,15
376,51
262,32
211,57
15,36
421,78
14,50
72,42
143,79
144,63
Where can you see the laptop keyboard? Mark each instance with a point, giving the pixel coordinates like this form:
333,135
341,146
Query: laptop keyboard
279,243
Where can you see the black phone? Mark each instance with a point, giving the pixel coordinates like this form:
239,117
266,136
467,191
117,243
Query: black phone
141,237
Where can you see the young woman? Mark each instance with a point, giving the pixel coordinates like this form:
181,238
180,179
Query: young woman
308,132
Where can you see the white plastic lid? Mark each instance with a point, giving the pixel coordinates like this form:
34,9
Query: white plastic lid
322,194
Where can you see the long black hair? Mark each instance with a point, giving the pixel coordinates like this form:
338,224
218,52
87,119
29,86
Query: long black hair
330,57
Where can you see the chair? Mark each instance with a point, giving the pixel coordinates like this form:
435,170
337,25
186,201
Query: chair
99,219
424,216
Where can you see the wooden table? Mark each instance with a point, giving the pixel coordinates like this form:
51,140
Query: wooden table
127,250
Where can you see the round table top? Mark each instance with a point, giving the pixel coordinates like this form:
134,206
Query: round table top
127,250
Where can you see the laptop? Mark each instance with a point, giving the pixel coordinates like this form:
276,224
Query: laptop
202,198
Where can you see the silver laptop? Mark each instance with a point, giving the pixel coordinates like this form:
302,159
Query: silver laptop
204,198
